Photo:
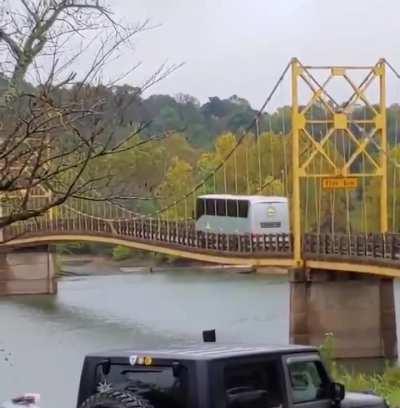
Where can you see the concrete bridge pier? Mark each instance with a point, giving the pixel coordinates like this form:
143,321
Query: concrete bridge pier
27,271
359,310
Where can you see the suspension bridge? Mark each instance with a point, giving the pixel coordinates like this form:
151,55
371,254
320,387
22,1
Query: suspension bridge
330,156
333,152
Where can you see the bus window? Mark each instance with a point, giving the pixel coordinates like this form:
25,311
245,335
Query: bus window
210,206
199,208
221,208
243,208
232,206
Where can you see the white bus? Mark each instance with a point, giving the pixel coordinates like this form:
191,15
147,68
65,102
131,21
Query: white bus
241,214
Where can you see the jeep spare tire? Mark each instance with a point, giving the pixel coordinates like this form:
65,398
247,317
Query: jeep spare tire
115,399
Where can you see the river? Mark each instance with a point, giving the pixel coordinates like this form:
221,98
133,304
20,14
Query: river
45,338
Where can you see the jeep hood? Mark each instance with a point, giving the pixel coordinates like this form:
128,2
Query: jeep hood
353,399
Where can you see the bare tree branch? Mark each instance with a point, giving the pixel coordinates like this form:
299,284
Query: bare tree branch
54,131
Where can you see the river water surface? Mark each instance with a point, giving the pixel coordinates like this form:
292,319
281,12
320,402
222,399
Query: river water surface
45,338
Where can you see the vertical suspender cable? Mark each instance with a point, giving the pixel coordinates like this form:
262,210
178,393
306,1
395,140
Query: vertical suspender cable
194,205
284,141
225,181
395,168
186,221
306,218
236,170
319,196
258,155
334,191
285,166
364,182
247,169
271,138
347,194
215,182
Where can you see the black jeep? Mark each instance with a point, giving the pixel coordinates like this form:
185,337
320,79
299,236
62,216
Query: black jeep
214,376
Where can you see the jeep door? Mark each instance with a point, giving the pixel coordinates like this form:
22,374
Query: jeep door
254,381
308,383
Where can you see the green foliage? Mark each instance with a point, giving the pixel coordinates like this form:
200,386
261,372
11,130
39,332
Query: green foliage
164,258
177,182
120,253
58,266
78,248
72,248
386,384
327,350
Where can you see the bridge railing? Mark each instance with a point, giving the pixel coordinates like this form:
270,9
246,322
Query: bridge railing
362,248
378,247
168,233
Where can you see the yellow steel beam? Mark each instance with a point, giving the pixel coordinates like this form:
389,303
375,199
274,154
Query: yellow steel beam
360,93
365,84
378,173
383,152
315,152
319,149
296,127
326,67
362,268
361,148
317,94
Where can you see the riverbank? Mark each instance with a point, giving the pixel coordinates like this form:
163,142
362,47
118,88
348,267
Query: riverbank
87,265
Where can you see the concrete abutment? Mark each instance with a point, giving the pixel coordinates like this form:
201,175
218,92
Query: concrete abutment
27,271
358,310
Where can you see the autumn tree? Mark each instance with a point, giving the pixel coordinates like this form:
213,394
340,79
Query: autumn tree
178,182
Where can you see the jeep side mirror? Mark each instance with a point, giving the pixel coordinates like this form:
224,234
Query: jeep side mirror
337,392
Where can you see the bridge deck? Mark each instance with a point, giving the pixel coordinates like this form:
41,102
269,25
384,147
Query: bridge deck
368,253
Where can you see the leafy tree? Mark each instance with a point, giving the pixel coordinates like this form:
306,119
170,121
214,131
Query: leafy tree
176,184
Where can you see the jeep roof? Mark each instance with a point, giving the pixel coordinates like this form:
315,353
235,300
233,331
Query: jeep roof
195,376
205,351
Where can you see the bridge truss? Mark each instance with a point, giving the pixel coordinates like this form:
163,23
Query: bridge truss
348,134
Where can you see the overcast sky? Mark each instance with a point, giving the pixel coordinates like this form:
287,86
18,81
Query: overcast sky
240,46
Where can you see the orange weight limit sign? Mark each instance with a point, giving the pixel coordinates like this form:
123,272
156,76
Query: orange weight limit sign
339,182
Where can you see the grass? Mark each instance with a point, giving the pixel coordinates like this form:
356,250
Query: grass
386,384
